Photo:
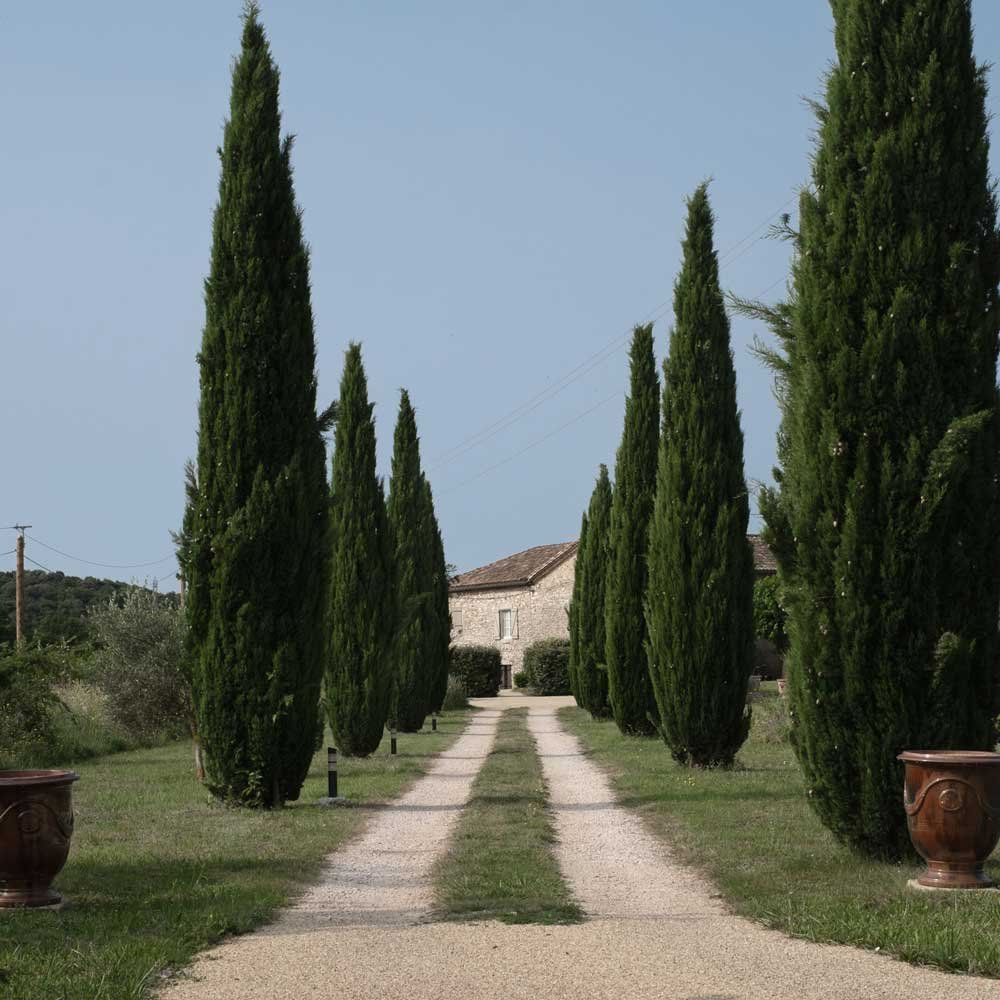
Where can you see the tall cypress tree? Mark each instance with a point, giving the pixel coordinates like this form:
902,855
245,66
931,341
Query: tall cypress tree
592,677
255,529
574,613
884,520
699,602
407,512
437,627
362,608
629,686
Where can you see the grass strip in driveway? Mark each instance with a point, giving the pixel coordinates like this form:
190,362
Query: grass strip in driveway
159,871
751,830
501,865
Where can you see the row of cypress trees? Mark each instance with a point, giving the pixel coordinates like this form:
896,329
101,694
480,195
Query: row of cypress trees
286,576
884,514
389,621
661,618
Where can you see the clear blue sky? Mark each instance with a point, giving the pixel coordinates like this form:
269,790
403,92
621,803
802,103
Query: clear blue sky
493,193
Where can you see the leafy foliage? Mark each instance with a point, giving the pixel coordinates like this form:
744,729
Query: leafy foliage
254,539
592,568
455,696
142,664
362,608
884,520
27,705
629,688
437,617
477,668
574,614
546,662
55,605
699,609
769,617
412,671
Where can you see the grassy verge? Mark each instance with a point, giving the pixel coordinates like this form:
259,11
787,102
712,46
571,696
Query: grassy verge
501,865
752,831
158,871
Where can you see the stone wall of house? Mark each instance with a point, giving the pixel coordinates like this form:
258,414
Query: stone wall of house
540,612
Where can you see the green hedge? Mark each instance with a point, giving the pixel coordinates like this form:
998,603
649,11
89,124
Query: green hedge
547,664
478,668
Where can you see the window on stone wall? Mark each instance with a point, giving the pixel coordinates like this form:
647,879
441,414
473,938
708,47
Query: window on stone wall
506,624
458,620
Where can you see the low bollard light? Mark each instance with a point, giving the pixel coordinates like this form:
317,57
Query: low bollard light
331,772
434,722
392,741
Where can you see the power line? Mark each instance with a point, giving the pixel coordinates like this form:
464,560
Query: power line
534,444
723,261
9,553
729,256
38,564
573,375
91,562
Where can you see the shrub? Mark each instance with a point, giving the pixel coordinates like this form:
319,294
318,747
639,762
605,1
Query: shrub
478,668
521,679
769,616
49,716
547,664
141,665
27,707
454,695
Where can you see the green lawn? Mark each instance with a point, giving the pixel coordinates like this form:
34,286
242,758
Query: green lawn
752,831
158,870
501,865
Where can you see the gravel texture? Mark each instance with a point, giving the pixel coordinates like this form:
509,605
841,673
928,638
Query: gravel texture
655,930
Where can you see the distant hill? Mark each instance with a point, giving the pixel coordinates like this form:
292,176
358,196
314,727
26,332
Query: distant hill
54,604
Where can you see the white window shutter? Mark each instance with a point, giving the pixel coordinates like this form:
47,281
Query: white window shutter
516,633
499,624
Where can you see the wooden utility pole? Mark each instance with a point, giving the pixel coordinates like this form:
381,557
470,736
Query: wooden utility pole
19,585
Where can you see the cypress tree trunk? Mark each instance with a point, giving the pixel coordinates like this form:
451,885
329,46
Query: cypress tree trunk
256,527
629,687
574,614
437,628
885,519
362,609
699,603
406,511
592,677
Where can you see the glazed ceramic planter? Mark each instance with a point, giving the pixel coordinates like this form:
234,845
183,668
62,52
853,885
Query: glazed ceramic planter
36,823
952,802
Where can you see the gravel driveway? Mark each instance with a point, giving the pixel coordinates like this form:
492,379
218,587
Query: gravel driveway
655,930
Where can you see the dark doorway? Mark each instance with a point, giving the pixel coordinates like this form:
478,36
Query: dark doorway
506,680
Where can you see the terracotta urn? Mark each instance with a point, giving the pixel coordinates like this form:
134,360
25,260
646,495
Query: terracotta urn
952,802
783,687
36,823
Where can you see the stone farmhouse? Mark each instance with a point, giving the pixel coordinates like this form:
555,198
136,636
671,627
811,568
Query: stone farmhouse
516,601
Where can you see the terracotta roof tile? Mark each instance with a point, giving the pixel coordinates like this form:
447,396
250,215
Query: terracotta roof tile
763,557
518,570
523,568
